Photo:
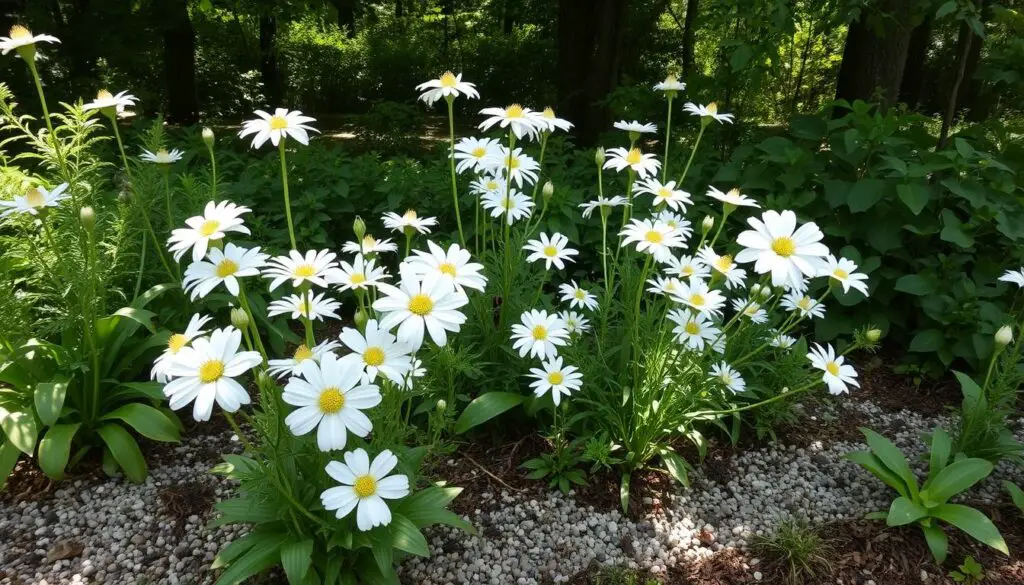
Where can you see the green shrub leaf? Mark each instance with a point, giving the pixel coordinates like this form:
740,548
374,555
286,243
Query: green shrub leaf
8,458
937,541
892,458
296,557
939,455
125,451
55,449
146,420
973,523
1016,494
49,400
485,407
405,536
956,478
904,511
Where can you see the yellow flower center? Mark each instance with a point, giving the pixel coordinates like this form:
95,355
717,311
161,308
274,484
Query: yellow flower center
726,379
724,263
512,162
20,32
804,303
840,274
304,271
226,268
448,79
692,328
712,108
447,268
410,215
540,332
550,251
654,237
331,400
358,278
664,193
162,154
369,242
686,270
176,342
211,371
752,309
421,304
784,246
104,95
373,356
479,152
832,368
302,353
670,285
696,299
492,185
733,193
555,378
278,123
671,79
580,294
35,198
514,111
209,227
549,113
365,486
634,156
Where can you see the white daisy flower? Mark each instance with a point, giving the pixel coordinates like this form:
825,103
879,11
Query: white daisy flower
487,185
724,265
733,197
312,268
291,366
602,202
370,245
22,37
808,307
844,272
471,152
782,341
448,85
521,166
216,221
514,207
316,308
34,201
419,305
665,193
776,245
539,334
671,85
643,164
364,487
635,126
330,397
204,372
686,267
377,352
696,295
676,222
222,266
652,237
522,121
549,122
1011,276
729,377
555,378
708,111
282,124
693,331
574,322
110,102
577,297
551,250
453,266
838,376
751,310
664,286
408,220
360,274
162,156
175,343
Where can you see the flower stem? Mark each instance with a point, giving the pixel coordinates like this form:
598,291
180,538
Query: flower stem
686,169
167,198
307,319
242,300
238,431
213,172
668,138
451,161
540,164
287,198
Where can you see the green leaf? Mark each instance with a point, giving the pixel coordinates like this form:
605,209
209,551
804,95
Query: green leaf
296,557
914,195
245,510
55,449
937,541
624,491
865,193
383,552
8,458
741,57
940,452
946,9
49,400
904,511
973,523
916,285
956,478
927,340
127,390
261,556
21,430
146,420
332,570
485,407
125,451
1016,494
953,230
892,458
405,536
677,467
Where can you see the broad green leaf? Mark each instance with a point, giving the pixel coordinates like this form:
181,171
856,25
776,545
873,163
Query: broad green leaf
49,400
332,570
424,516
126,390
235,549
296,557
956,478
953,230
1016,494
927,340
405,536
125,451
381,547
937,541
8,458
259,557
55,449
916,285
146,420
677,467
973,523
431,497
942,445
245,510
904,511
485,407
21,430
946,9
914,195
865,193
892,458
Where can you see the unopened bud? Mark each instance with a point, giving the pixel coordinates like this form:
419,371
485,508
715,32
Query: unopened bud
599,156
1005,335
239,318
873,335
359,227
755,289
125,196
87,216
208,137
441,405
360,319
708,223
548,190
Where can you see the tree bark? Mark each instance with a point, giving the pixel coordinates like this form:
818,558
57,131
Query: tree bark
689,35
269,73
875,54
179,63
913,71
964,41
346,10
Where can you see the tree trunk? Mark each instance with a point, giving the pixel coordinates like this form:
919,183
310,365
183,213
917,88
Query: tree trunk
268,59
179,63
913,71
689,36
804,54
875,54
399,10
346,10
964,42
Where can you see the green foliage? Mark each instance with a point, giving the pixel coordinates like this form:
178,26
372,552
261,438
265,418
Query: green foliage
969,572
927,506
798,549
982,429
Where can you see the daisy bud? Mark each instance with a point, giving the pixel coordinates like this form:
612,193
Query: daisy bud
873,335
87,217
208,137
239,318
359,227
548,190
441,406
708,223
599,156
360,319
755,289
1005,335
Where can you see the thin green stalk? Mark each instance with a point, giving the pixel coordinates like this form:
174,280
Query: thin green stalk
689,161
238,431
307,318
244,302
451,161
167,197
668,140
287,199
540,164
775,398
213,171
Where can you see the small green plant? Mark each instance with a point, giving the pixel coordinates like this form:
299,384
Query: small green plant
928,505
982,430
797,549
969,572
620,576
560,467
1016,494
601,451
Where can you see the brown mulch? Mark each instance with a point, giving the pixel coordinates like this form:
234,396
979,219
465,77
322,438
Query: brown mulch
181,501
893,392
